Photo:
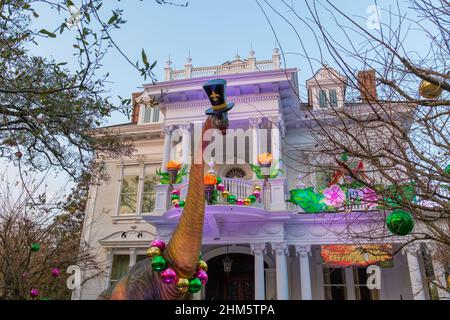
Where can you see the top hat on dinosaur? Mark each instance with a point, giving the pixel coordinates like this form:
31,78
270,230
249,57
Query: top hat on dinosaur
216,92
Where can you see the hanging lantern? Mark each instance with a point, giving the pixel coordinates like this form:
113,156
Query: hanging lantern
400,222
429,90
227,263
172,168
265,161
210,181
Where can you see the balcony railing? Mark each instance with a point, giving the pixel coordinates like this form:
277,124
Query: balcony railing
271,199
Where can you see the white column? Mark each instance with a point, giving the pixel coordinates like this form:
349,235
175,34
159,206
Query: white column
167,145
132,257
276,131
253,124
258,252
415,272
305,277
140,188
186,142
281,271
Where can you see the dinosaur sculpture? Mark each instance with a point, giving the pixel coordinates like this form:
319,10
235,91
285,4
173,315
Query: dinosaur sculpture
182,251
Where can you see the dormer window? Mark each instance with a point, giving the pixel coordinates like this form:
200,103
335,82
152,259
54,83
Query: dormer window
151,115
326,89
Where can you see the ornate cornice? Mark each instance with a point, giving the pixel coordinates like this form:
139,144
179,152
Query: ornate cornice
240,99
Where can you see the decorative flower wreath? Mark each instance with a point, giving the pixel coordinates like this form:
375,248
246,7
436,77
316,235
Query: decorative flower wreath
169,275
231,198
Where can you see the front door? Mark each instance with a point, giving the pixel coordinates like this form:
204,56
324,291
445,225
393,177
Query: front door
239,287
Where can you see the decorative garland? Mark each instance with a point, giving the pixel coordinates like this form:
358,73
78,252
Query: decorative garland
169,275
231,198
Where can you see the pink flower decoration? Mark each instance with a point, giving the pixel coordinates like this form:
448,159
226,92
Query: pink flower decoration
334,196
369,197
56,272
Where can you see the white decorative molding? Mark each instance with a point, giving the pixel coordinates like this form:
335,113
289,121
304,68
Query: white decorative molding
258,248
280,248
205,103
303,250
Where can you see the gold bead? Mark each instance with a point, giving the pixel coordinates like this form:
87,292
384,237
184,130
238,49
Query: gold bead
258,188
202,265
153,251
247,201
175,201
225,194
182,285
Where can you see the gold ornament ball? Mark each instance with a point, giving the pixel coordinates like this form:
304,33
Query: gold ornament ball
175,201
225,194
202,265
429,90
153,251
247,201
258,188
182,285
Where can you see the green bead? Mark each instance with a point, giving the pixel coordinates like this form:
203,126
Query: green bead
231,199
181,204
35,247
195,285
219,180
252,198
344,156
158,263
175,197
447,169
400,222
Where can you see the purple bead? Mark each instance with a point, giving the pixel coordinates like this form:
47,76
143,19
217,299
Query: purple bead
158,243
256,193
220,187
240,202
34,292
169,276
176,192
56,272
202,276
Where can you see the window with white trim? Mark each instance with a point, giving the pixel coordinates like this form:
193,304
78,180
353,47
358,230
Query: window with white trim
148,193
151,115
120,265
128,195
334,284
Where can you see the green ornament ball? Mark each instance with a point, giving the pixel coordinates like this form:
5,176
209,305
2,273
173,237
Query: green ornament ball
231,199
158,263
219,180
182,203
344,156
447,169
175,197
252,198
195,285
35,247
400,222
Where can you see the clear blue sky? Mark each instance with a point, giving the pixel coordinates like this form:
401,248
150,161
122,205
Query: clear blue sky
213,31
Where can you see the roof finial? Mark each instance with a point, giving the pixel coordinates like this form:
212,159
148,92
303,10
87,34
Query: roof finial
237,55
188,59
168,62
251,53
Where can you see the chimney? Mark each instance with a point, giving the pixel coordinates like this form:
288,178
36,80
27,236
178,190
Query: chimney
367,85
136,106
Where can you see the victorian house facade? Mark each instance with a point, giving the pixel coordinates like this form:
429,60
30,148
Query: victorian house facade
269,249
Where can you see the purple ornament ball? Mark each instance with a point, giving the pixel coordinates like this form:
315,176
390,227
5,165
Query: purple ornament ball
34,292
56,272
220,187
158,243
256,193
169,276
202,276
176,192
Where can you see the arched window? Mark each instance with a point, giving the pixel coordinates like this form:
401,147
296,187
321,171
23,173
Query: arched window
235,172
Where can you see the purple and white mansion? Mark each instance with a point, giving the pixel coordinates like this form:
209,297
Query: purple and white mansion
270,249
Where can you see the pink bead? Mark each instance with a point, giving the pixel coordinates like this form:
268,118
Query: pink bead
56,272
158,243
176,192
202,276
256,193
176,205
34,292
169,276
240,202
220,187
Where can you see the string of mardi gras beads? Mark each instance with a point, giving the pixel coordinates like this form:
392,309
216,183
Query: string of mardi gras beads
169,275
231,198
